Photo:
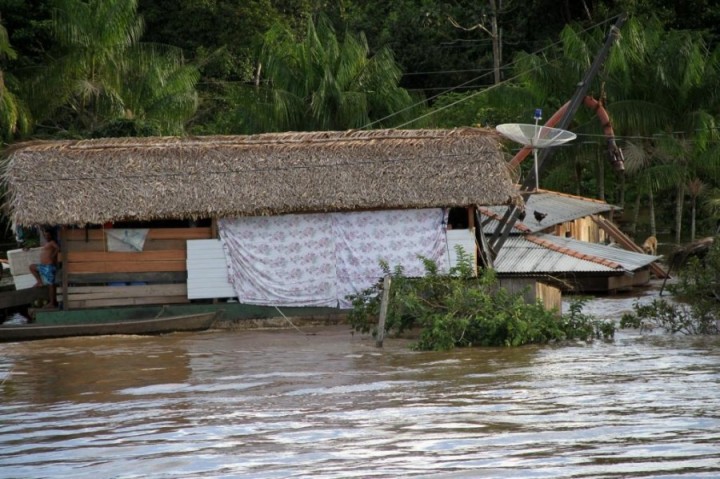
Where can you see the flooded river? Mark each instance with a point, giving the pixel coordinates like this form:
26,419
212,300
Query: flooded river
323,403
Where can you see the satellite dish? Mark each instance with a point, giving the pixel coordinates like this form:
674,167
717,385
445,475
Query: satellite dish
535,136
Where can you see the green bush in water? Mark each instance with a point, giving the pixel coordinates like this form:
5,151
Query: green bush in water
698,288
459,309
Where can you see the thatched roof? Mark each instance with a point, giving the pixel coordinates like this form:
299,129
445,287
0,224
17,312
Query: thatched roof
95,181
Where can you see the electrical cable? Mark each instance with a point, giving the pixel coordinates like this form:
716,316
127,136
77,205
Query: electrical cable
559,42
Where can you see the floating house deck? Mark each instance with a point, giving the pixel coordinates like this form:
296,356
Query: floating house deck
158,194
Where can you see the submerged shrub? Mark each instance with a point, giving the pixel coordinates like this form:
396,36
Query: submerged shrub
698,288
459,309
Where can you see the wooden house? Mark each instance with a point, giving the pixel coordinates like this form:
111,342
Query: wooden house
564,215
174,190
573,239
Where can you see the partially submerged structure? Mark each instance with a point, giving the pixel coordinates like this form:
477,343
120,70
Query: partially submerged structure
571,239
128,207
560,214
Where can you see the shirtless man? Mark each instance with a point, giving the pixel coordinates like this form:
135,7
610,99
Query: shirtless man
44,272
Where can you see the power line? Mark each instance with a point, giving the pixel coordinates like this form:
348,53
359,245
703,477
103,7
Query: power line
443,90
559,42
645,137
467,87
454,71
435,72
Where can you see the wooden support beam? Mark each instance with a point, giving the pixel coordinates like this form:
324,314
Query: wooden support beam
383,311
64,252
77,293
124,267
203,232
125,257
146,277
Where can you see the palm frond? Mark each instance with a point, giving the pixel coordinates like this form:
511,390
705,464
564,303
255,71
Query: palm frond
637,158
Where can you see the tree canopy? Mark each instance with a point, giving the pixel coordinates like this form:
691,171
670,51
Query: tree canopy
88,68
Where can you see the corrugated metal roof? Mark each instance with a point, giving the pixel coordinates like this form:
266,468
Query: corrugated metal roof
629,260
521,254
559,208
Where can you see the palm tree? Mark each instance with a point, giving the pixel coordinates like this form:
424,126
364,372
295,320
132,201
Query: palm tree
104,73
323,83
696,187
668,96
14,116
160,89
639,167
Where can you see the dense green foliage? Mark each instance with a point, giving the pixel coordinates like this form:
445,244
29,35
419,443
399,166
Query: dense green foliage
695,308
459,309
318,82
101,73
89,68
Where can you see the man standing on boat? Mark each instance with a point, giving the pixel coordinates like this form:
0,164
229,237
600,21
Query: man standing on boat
44,271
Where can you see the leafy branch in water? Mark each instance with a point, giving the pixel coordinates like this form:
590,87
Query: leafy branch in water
459,309
698,288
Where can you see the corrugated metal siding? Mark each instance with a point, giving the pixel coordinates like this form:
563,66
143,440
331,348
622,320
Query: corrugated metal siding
559,209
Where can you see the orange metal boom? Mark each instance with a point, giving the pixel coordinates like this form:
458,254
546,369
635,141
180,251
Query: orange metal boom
615,155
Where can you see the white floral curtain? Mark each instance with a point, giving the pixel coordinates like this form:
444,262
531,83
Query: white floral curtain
319,259
281,260
397,236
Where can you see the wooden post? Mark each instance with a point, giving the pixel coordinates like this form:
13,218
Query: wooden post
383,311
64,259
471,227
214,234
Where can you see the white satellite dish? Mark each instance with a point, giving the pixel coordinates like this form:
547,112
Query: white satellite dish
535,136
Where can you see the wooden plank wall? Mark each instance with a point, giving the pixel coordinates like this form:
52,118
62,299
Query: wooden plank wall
533,289
583,229
98,278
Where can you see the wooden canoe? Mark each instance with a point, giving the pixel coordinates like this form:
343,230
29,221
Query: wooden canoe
169,324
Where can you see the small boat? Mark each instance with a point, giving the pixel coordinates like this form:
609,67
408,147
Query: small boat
157,325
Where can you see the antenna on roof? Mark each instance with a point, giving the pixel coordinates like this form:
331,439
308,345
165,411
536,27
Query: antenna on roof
535,136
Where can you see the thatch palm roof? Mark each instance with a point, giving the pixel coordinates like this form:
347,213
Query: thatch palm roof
95,181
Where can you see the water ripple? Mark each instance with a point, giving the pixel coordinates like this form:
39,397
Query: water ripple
220,405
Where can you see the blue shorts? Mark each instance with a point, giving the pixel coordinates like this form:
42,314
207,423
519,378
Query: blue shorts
47,273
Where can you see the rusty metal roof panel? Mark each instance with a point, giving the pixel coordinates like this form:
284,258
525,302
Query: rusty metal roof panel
552,254
518,255
629,260
559,208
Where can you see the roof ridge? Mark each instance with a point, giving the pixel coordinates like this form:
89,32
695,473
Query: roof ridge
274,138
577,197
570,252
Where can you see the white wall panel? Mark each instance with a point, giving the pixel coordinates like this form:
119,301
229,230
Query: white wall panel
207,270
466,239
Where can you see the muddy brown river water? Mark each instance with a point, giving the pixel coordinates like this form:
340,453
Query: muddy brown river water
328,404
